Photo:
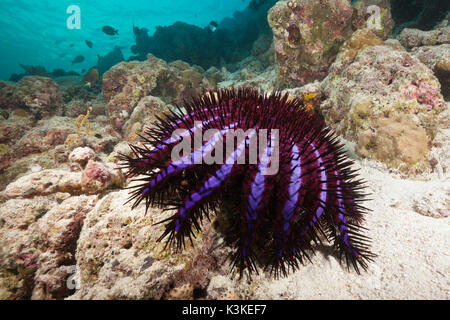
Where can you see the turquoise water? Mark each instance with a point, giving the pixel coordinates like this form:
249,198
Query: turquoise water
36,33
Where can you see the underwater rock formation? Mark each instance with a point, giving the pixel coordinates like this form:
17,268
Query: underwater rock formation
40,71
127,83
79,158
48,142
437,58
411,38
112,58
433,49
421,14
255,71
118,255
38,248
38,95
98,176
231,42
385,100
364,16
143,116
307,36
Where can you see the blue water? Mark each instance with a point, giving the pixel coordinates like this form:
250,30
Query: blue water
34,32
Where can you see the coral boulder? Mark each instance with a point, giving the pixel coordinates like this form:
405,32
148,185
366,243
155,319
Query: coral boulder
307,37
385,100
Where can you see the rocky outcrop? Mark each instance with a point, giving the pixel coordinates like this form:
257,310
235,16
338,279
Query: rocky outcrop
125,84
385,100
38,95
307,37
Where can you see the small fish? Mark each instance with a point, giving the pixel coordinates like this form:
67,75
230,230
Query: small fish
213,26
91,77
78,59
83,71
110,30
89,43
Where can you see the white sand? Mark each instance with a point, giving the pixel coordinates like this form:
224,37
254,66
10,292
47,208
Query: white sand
413,250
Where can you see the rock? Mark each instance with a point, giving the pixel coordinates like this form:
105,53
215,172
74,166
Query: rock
79,106
439,159
214,76
431,55
35,168
39,95
374,15
246,78
18,167
102,138
411,38
144,115
12,129
442,72
394,139
18,245
125,84
80,156
310,88
394,44
98,176
182,84
38,244
47,134
437,58
307,37
45,182
184,292
118,255
59,230
386,101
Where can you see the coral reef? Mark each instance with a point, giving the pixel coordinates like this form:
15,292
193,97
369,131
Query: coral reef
109,60
433,49
143,116
38,95
411,38
118,255
385,100
437,58
41,72
79,157
38,248
365,16
229,44
127,83
307,36
98,176
66,232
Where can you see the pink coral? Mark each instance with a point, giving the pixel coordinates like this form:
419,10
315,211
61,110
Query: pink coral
424,93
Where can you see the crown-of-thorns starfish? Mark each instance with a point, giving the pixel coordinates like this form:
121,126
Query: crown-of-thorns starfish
274,220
